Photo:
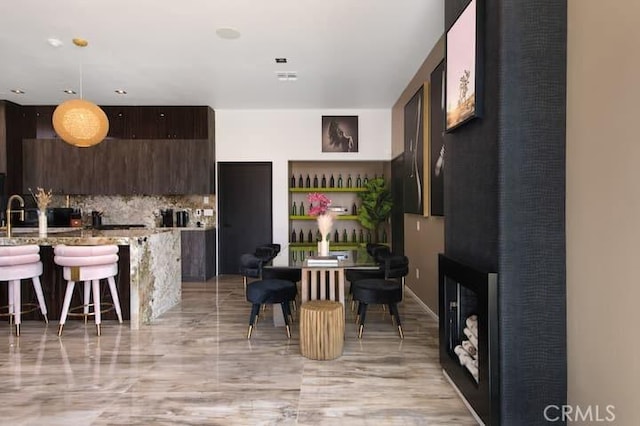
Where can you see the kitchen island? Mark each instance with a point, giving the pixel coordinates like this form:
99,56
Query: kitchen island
154,271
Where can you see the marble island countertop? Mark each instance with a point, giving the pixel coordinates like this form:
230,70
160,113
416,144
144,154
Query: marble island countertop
154,262
78,236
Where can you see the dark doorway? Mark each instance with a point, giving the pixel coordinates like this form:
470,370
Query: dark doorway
244,211
397,212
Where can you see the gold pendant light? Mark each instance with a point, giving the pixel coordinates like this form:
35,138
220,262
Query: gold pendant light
78,122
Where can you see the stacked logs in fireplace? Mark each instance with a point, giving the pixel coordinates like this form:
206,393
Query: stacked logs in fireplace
467,350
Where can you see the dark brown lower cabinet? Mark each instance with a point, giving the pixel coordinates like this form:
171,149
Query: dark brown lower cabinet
54,287
198,254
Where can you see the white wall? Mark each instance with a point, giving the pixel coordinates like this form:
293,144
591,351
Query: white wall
280,136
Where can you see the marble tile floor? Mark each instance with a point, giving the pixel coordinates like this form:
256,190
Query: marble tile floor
194,366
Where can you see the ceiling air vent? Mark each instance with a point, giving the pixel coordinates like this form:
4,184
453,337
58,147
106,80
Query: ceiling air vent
287,75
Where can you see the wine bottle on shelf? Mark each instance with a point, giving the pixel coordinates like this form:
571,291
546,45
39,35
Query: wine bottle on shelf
324,181
340,180
354,210
361,236
300,182
345,238
293,181
358,181
384,235
307,182
310,236
294,255
301,236
332,183
318,235
294,209
366,179
293,236
315,181
368,235
301,208
349,181
354,238
336,236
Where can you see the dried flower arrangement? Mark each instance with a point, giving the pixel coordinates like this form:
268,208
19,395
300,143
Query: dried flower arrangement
42,197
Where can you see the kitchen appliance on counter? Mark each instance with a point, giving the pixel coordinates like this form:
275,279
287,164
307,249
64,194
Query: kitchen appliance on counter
57,217
117,226
96,219
182,219
167,218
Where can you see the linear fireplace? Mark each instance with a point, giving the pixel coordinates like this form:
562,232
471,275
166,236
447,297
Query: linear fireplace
469,334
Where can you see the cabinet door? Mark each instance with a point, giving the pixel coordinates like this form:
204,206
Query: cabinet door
121,119
193,255
56,165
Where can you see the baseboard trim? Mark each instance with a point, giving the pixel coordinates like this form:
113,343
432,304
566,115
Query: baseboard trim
421,303
464,400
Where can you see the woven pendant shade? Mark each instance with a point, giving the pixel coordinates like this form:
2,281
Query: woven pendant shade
80,123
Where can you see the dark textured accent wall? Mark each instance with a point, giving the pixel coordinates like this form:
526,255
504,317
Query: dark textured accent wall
505,196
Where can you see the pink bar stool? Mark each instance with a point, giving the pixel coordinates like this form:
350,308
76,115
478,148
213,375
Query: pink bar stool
89,264
20,263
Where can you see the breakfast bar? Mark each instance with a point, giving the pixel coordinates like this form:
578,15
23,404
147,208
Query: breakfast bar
151,258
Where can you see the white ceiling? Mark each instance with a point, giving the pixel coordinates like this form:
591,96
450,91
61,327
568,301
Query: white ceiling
347,53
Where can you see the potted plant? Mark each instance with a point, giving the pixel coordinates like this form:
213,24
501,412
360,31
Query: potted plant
376,205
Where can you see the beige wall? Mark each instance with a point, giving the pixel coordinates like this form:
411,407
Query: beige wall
421,246
603,206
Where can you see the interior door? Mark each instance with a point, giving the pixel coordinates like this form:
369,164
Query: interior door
244,211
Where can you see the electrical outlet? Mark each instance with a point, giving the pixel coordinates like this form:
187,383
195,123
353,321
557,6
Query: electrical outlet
417,274
208,212
205,200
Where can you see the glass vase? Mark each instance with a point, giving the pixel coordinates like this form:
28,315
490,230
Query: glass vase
42,223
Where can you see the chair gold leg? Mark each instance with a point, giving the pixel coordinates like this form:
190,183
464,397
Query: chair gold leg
46,320
18,330
99,329
400,331
357,319
360,331
60,330
288,332
249,333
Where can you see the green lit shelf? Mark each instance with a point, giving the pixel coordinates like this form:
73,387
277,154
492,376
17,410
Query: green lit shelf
306,190
339,217
331,245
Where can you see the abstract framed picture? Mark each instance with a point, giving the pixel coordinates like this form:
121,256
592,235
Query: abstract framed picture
414,139
340,133
463,83
436,151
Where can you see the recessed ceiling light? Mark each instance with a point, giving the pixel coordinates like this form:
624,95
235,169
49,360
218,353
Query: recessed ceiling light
281,60
121,92
54,42
70,92
228,33
18,91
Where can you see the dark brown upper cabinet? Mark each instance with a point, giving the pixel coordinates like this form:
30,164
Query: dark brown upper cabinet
157,122
148,150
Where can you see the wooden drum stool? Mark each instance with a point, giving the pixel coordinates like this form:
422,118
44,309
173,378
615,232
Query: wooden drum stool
321,329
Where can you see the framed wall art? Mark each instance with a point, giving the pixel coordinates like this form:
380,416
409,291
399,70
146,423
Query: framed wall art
414,140
463,57
340,133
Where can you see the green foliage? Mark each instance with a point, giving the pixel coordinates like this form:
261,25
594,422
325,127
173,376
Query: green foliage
376,204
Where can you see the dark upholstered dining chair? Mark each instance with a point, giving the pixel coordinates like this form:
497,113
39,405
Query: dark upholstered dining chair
385,291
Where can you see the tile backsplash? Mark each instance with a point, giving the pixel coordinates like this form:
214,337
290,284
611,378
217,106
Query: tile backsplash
140,209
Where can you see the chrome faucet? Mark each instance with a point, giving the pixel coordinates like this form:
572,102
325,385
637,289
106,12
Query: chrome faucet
9,211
